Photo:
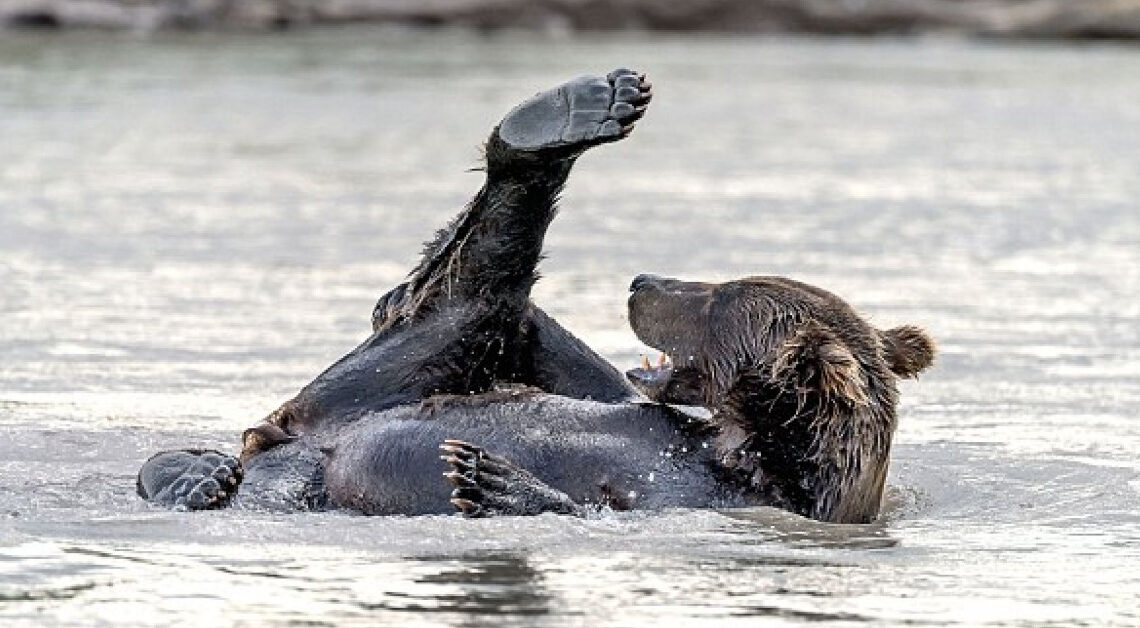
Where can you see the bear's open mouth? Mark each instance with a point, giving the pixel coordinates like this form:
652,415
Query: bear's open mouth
671,381
651,379
654,381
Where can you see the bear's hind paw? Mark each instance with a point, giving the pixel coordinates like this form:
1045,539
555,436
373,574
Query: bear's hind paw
584,112
190,480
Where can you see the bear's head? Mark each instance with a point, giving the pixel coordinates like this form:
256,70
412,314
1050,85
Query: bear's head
802,389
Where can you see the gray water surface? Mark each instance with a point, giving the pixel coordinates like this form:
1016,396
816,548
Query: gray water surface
191,228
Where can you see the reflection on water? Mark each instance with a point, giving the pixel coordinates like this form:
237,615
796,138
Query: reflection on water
766,526
491,583
192,227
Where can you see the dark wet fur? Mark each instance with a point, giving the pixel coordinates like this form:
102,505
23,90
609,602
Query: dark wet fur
459,353
462,323
802,388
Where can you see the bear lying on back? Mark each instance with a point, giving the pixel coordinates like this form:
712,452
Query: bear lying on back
802,391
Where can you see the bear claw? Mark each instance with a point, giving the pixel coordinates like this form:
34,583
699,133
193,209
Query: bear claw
485,485
466,506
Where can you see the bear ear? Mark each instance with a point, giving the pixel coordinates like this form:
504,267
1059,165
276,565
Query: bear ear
908,349
814,359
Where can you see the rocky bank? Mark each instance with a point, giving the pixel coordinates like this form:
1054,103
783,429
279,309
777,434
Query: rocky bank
1067,19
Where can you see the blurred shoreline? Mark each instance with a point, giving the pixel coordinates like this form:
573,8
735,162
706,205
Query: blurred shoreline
1026,19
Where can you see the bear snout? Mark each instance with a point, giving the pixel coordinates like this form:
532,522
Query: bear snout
642,281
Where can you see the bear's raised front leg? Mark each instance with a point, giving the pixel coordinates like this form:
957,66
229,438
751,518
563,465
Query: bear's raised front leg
487,485
191,479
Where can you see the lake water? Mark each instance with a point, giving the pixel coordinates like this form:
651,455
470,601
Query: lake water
191,227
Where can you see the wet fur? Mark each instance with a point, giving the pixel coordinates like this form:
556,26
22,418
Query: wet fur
802,388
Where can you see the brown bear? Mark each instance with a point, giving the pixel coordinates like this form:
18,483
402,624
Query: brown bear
802,389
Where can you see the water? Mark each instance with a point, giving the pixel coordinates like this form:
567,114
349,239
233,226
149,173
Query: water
193,227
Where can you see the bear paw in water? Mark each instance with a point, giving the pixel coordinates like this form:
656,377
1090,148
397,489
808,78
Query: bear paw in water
190,479
487,485
581,113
